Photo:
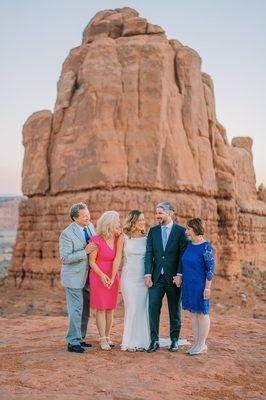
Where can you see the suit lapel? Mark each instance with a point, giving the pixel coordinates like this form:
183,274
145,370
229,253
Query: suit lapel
171,236
91,228
158,232
77,232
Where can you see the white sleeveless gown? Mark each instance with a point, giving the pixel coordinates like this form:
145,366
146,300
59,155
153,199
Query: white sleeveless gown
135,295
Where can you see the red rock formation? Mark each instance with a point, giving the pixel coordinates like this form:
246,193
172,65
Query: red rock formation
135,123
262,193
36,140
251,215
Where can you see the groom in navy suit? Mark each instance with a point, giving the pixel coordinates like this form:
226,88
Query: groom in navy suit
163,273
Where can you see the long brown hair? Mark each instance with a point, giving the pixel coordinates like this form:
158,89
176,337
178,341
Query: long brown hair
131,220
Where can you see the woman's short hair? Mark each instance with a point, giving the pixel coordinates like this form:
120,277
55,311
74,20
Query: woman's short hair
197,225
131,220
106,223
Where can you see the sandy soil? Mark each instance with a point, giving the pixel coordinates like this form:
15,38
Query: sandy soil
35,364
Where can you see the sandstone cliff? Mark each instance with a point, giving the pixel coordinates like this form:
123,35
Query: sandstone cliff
134,123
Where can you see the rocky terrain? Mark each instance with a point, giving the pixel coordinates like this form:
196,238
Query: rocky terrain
34,362
134,123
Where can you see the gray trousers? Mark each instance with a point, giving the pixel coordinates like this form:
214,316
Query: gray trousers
78,308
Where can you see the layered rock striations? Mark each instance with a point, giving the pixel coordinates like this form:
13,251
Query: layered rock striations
134,123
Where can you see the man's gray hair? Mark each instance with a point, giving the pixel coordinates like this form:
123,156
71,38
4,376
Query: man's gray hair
74,210
166,206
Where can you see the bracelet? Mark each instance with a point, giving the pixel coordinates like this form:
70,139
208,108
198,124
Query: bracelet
207,289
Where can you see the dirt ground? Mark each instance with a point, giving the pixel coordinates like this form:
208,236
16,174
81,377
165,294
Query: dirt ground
35,364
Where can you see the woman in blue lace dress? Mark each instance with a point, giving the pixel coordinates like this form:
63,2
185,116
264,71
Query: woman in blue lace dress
198,269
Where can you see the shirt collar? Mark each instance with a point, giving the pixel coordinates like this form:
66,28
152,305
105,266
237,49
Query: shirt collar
81,228
169,226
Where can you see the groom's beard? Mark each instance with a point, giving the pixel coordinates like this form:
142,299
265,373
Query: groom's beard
162,221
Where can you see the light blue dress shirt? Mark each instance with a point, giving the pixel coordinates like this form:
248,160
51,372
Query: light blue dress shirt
168,231
81,228
165,231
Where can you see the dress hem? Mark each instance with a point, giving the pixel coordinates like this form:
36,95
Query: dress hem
192,310
103,308
134,348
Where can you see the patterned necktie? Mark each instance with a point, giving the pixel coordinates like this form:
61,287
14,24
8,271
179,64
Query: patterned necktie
164,236
87,236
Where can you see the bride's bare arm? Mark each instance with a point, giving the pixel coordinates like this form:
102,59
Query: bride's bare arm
118,257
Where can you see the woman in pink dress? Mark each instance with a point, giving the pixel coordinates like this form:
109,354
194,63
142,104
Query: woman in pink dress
103,295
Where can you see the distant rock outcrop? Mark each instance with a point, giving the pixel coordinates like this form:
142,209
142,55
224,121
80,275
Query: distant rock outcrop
134,123
9,212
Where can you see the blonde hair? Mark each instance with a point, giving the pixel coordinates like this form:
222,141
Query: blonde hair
106,223
130,221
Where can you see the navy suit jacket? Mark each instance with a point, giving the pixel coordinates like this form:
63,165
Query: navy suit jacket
169,259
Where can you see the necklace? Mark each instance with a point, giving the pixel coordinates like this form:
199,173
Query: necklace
202,240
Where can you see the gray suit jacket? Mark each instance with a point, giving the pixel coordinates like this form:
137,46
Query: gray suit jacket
74,259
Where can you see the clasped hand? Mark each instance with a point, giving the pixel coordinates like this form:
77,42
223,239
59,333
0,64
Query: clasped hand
106,281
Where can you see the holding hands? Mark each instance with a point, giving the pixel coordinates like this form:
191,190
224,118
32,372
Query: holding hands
177,280
148,281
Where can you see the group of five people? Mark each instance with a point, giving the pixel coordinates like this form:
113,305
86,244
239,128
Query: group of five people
170,259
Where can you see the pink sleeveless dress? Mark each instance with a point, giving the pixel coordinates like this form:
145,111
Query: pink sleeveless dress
101,297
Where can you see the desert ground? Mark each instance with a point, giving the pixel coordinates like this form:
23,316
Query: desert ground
35,363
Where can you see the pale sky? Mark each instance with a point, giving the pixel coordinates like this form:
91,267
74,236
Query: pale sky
36,36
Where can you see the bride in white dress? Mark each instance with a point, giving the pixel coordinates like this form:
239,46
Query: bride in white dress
132,247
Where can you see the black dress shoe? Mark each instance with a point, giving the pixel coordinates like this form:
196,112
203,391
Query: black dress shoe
153,346
174,346
75,348
85,344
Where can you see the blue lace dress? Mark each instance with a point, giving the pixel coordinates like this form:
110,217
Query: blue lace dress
198,265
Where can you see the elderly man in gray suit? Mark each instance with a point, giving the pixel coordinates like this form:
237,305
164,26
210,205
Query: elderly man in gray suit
74,250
